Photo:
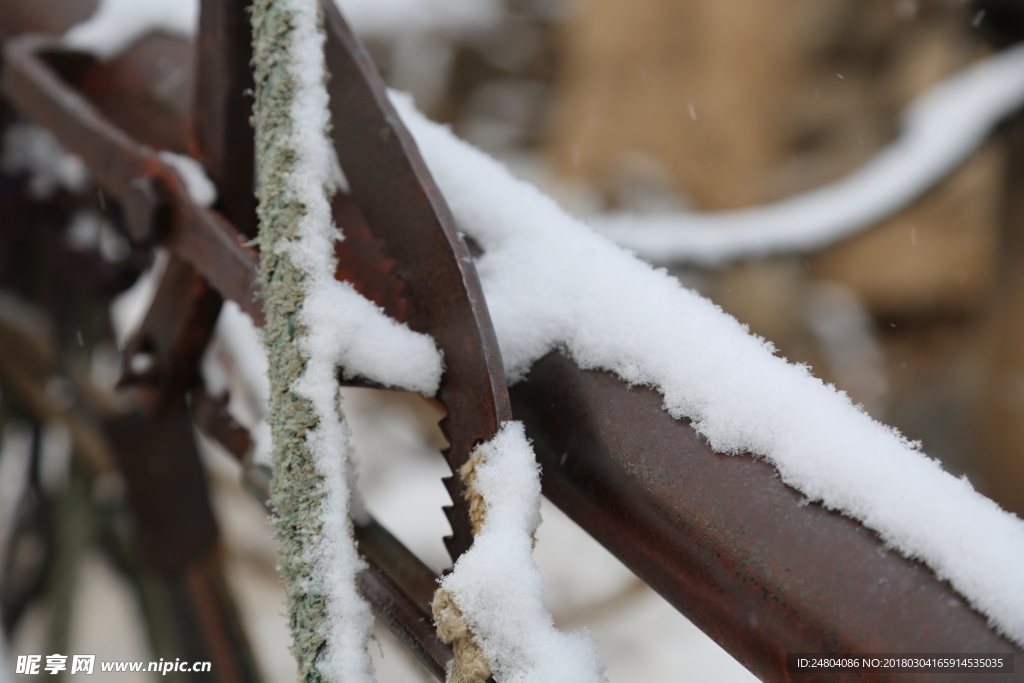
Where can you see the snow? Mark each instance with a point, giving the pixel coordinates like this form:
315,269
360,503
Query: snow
129,307
341,328
941,128
496,582
336,561
116,24
387,18
344,328
29,148
239,334
200,188
551,283
91,231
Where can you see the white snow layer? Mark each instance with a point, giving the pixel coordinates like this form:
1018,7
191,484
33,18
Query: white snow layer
200,188
940,129
128,308
386,18
342,328
116,24
552,283
32,149
496,582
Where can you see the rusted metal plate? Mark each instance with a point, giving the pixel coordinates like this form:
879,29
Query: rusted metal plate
363,262
403,207
725,541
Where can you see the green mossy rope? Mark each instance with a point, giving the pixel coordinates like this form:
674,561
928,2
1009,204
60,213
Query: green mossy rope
297,489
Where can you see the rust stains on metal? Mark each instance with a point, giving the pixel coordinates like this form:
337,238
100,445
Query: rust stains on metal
222,137
720,537
724,540
32,80
403,207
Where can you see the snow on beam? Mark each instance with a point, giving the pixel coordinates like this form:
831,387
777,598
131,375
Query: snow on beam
941,128
745,557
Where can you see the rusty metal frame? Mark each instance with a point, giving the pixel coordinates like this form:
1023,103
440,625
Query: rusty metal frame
720,537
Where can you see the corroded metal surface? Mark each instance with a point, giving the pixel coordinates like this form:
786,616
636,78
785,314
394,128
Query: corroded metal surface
400,587
720,537
182,316
725,541
403,207
179,321
36,75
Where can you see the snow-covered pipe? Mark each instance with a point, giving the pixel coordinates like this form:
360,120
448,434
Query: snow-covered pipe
940,129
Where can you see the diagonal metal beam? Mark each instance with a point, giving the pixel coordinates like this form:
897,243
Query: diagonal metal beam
738,552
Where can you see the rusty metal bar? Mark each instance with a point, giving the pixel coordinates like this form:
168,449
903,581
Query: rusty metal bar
180,322
211,416
168,493
32,16
725,541
128,171
222,634
167,486
399,588
403,207
222,136
172,337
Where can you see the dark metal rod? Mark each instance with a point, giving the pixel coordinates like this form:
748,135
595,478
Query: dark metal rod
399,588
